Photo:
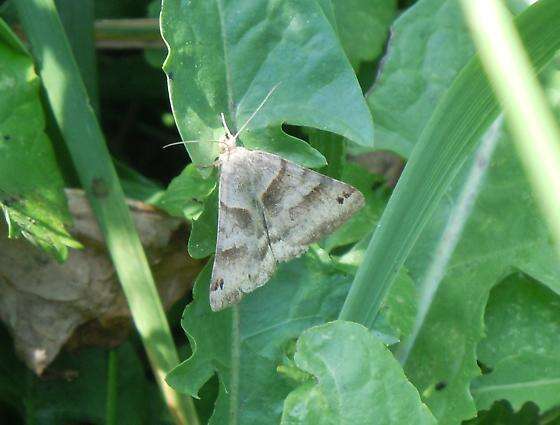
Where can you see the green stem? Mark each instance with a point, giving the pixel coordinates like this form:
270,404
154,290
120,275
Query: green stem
536,133
75,117
128,33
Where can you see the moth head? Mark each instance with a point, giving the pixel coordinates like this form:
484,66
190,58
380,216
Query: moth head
228,141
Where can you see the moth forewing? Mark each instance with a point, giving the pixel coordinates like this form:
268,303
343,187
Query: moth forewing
270,211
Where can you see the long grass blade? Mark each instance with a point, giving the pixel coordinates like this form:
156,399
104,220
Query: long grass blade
536,133
75,117
451,135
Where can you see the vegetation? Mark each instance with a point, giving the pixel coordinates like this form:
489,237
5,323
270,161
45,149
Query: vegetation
438,303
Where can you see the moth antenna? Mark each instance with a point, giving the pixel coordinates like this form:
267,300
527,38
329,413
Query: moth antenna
185,142
224,123
256,110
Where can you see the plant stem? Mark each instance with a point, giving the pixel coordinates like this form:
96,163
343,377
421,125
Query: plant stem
128,34
75,117
536,133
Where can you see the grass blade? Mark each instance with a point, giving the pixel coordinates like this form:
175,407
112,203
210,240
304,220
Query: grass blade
78,19
536,133
451,135
69,102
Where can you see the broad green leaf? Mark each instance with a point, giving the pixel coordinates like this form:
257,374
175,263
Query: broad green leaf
521,347
186,193
31,186
358,381
246,343
503,233
460,119
429,45
400,307
225,56
397,315
363,27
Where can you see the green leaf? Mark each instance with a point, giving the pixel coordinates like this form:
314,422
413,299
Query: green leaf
154,56
502,233
225,56
521,346
31,186
136,186
245,344
333,147
358,381
185,195
363,26
502,414
429,45
400,307
461,118
202,240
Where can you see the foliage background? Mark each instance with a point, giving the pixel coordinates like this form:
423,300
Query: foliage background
494,311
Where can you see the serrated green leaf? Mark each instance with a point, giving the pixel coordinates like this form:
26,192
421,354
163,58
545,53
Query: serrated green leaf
246,343
521,347
363,26
31,186
502,414
358,381
225,56
304,292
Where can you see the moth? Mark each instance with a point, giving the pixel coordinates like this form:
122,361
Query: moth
270,210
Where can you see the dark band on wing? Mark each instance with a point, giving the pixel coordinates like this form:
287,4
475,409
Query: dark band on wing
231,254
241,216
274,192
324,228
